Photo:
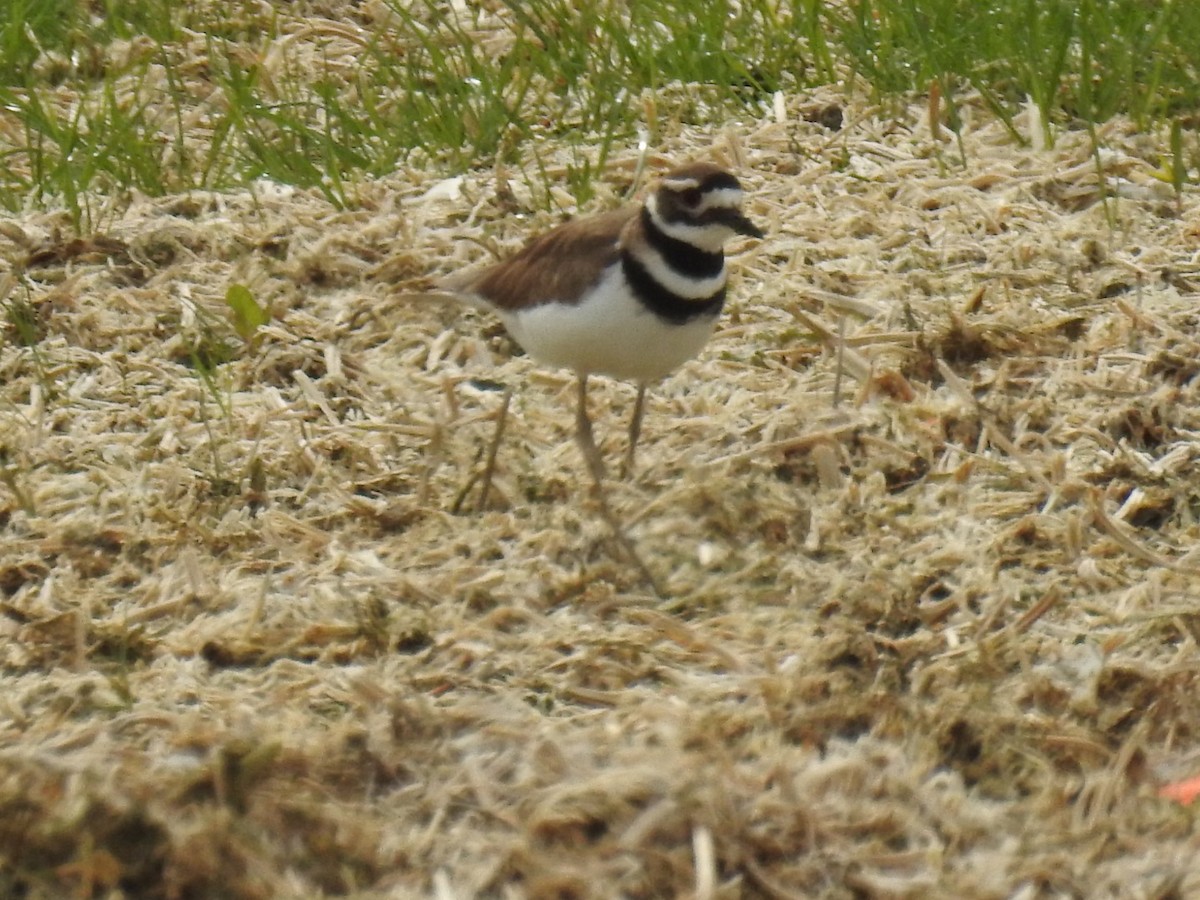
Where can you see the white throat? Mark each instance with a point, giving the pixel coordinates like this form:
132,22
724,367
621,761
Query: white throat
710,238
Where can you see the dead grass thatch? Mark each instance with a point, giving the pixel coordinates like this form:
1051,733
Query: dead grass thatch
936,641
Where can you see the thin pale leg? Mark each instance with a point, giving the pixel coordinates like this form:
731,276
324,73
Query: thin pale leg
587,444
635,429
583,434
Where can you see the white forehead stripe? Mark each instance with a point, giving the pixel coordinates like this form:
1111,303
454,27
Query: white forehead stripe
680,183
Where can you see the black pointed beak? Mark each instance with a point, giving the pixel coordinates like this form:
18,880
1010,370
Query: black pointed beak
739,223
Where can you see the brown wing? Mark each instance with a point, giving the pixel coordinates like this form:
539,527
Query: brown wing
558,265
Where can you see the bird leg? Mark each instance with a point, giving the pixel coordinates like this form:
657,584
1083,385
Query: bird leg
587,443
583,434
635,428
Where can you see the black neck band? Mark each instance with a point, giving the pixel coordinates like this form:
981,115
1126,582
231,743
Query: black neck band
661,301
682,257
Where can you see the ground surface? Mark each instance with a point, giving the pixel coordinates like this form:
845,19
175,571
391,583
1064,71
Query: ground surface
938,640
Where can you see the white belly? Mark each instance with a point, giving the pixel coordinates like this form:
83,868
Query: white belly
610,333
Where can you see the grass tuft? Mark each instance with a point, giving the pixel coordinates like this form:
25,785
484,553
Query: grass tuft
82,94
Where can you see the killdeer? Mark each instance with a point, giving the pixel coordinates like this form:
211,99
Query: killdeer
632,294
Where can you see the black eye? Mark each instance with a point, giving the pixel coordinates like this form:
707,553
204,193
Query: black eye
690,198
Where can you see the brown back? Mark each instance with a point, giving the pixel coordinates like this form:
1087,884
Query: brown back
561,263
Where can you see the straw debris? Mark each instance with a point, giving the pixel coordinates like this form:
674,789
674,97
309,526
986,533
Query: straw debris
936,641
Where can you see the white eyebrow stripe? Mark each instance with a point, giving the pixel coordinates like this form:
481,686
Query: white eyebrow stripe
680,183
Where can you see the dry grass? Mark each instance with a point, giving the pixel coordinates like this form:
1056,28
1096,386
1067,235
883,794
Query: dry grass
938,641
